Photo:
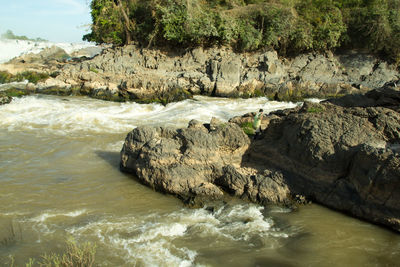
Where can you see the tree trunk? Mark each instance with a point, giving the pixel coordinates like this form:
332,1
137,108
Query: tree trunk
128,24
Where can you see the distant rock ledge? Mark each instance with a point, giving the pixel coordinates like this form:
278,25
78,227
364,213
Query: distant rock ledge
147,75
342,155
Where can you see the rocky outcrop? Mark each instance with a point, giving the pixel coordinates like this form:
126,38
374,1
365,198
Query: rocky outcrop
347,158
344,158
144,73
196,163
139,74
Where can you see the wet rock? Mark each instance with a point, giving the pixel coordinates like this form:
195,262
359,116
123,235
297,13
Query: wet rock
346,158
144,74
343,158
196,163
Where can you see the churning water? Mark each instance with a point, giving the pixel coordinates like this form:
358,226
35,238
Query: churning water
59,178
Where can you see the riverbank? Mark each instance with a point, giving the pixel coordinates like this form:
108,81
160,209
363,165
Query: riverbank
131,73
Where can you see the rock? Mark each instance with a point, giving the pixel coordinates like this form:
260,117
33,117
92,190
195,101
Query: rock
147,74
46,56
346,158
142,75
228,77
196,163
386,96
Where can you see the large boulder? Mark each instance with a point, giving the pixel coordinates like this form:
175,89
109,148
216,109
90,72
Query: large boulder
344,158
198,163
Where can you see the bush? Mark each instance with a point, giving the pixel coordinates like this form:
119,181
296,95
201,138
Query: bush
247,128
31,76
75,255
289,26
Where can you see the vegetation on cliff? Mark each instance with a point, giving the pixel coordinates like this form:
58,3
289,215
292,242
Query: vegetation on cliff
10,35
289,26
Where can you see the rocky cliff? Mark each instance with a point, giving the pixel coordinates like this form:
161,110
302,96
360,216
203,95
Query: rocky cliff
143,73
132,73
343,156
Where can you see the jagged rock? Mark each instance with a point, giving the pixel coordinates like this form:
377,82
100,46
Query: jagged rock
344,158
142,74
347,158
192,163
220,72
46,56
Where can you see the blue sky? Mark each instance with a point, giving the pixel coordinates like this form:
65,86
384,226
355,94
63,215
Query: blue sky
54,20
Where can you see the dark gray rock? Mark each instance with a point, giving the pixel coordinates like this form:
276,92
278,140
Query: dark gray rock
196,163
149,73
346,158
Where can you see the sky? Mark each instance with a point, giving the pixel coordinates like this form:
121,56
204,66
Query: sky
53,20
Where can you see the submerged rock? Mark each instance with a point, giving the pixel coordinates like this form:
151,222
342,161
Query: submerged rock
346,158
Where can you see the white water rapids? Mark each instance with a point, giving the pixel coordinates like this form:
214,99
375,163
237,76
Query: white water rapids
59,178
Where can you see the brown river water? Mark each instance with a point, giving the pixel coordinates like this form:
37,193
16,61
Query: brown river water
59,179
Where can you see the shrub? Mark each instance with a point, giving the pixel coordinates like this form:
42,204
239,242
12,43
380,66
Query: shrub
31,76
75,255
247,128
289,26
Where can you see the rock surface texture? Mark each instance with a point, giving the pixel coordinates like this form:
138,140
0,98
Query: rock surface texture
344,156
132,73
196,163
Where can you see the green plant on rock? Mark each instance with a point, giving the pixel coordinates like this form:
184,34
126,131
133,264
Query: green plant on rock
247,128
31,76
14,92
315,110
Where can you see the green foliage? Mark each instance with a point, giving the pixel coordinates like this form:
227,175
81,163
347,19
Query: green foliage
93,69
247,128
315,110
107,25
5,77
33,77
289,26
10,35
13,92
324,21
75,255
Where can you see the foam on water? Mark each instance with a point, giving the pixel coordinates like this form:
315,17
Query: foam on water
84,115
159,239
14,48
46,215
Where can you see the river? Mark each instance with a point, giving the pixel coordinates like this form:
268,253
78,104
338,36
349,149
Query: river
60,179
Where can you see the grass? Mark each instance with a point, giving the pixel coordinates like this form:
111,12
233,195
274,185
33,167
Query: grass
247,128
74,256
31,76
92,69
315,110
13,92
